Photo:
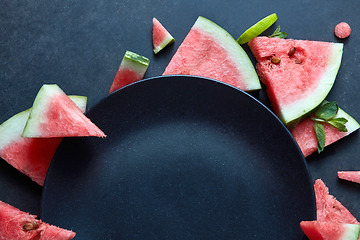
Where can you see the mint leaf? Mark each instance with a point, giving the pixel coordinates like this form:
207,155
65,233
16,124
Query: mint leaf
327,111
340,120
338,123
277,33
320,135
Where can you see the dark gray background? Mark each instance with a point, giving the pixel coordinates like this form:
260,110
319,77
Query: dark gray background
79,45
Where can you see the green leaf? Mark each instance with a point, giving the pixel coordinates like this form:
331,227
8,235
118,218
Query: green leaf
340,120
320,135
338,123
327,111
277,33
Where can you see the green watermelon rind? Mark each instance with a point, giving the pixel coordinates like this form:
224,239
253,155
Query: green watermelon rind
11,127
290,114
168,40
135,62
352,125
34,121
35,118
352,232
234,51
80,101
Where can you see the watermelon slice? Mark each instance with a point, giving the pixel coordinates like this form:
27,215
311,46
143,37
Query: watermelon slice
315,230
353,176
132,68
31,156
298,74
18,225
161,36
209,51
304,133
54,115
328,208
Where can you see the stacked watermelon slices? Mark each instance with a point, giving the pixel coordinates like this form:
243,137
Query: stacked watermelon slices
30,138
298,82
28,141
334,221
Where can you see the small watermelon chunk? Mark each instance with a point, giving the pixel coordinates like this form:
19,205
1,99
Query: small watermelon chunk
352,176
298,74
161,36
18,225
54,115
31,156
304,133
132,68
342,30
210,51
328,208
315,230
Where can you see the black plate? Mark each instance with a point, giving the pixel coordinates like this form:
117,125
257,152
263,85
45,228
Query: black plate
185,158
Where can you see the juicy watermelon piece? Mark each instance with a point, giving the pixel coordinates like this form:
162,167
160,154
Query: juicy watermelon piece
328,208
31,156
18,225
315,230
54,115
302,79
161,36
304,133
353,176
210,51
132,68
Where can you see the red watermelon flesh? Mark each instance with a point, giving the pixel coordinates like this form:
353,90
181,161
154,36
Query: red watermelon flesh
161,36
316,230
305,137
209,51
328,208
31,156
303,77
18,225
132,68
353,176
54,115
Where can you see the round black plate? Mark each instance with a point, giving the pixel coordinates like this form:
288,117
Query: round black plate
184,158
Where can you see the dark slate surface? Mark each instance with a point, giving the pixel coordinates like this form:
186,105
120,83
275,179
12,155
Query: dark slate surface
79,45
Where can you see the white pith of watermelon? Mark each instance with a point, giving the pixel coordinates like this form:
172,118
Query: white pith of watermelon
353,176
13,221
54,115
31,156
328,209
315,230
132,68
304,133
161,36
209,51
301,81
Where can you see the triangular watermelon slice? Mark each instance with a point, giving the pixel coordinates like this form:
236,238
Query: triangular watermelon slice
132,68
353,176
315,230
54,115
298,74
328,208
31,156
161,36
304,133
210,51
18,225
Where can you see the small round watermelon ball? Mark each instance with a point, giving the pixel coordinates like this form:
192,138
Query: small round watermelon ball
342,30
